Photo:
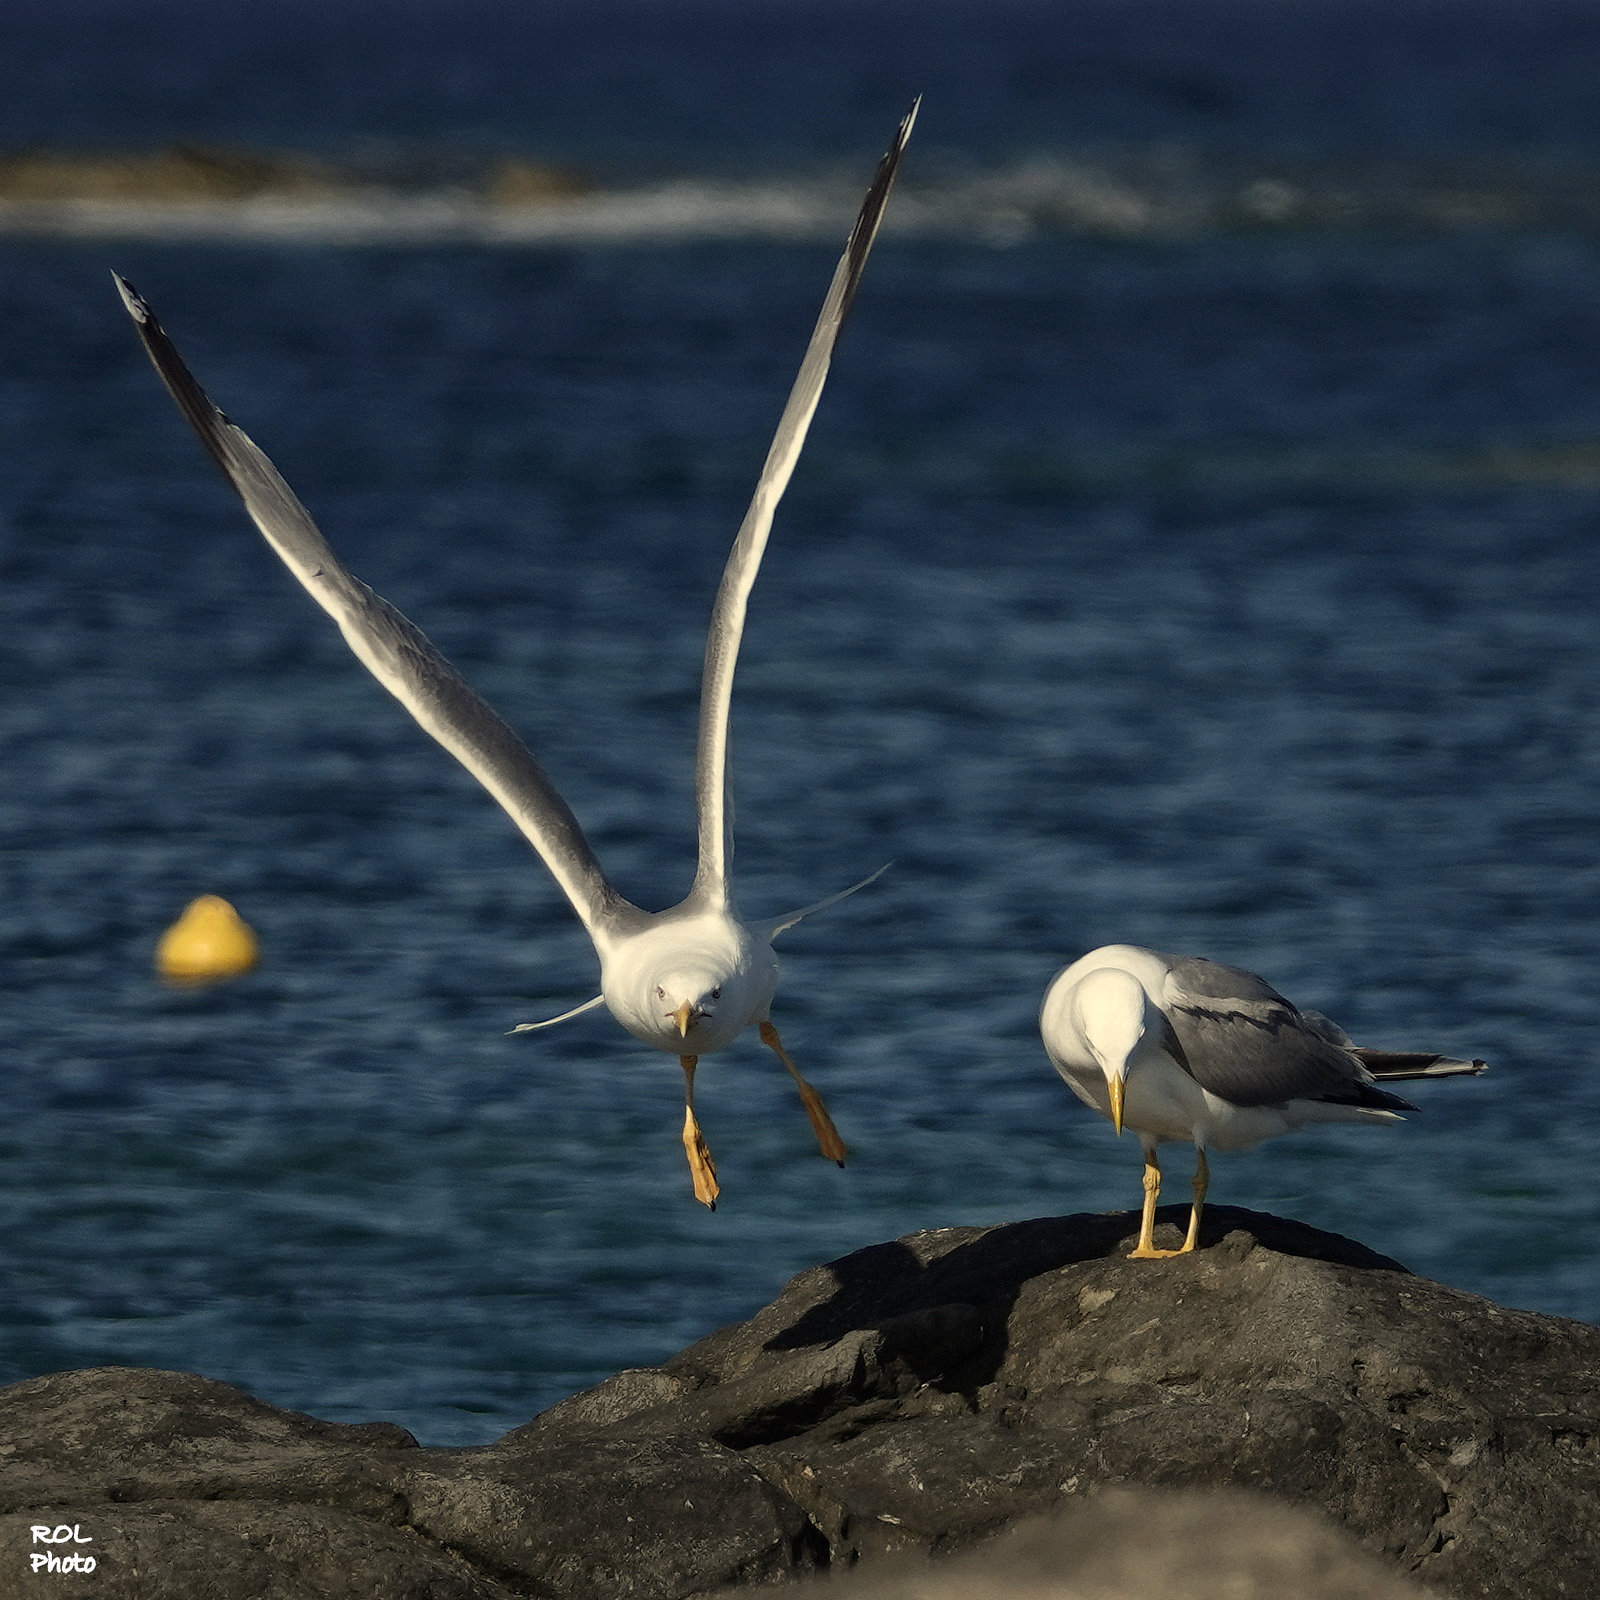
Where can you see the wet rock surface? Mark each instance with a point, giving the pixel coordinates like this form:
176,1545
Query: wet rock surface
918,1396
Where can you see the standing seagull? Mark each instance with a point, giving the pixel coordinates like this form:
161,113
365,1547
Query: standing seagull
1181,1048
688,980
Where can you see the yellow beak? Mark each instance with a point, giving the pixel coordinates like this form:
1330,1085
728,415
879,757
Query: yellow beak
1114,1085
684,1017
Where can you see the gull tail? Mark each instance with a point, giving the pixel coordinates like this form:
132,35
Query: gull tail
566,1016
770,930
1392,1066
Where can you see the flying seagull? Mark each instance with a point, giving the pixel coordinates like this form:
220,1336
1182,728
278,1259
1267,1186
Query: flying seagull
1181,1048
687,980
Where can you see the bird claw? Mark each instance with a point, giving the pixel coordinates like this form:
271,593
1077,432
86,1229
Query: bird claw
828,1140
701,1167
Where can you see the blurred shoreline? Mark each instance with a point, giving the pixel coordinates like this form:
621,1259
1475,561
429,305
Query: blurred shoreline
216,193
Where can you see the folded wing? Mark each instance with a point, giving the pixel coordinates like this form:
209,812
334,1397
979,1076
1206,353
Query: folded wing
1240,1039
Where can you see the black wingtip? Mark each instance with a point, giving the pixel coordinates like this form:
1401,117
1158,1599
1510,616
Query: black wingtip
133,300
181,384
865,229
902,137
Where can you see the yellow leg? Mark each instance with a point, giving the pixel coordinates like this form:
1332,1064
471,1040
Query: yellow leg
1202,1181
701,1169
828,1139
1145,1249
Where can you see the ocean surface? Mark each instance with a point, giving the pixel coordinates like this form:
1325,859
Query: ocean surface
1229,585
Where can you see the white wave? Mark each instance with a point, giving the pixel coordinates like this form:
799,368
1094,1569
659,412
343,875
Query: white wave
1152,195
684,210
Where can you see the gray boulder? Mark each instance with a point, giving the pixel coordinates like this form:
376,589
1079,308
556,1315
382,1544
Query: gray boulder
915,1397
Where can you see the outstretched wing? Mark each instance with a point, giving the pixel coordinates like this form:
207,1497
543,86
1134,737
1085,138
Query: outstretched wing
566,1016
393,650
727,615
770,930
1240,1039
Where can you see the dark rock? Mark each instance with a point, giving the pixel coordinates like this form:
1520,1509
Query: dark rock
916,1396
183,1549
611,1515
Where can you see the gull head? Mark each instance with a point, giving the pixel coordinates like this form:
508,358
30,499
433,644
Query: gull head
1111,1012
690,989
700,1006
689,998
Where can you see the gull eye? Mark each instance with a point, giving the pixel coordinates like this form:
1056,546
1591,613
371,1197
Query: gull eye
661,994
716,994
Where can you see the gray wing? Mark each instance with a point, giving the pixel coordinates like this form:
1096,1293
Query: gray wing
1241,1039
394,651
733,594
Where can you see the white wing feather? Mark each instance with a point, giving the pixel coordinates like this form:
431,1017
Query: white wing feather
728,613
393,650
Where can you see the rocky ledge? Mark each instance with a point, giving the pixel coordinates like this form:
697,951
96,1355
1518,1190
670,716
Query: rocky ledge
919,1396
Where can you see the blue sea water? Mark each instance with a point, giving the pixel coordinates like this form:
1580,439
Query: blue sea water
1233,593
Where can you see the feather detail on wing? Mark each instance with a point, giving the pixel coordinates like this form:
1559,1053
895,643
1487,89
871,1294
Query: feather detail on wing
1395,1066
728,613
1243,1041
393,650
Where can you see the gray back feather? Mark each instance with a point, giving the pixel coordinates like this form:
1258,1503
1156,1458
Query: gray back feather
1239,1038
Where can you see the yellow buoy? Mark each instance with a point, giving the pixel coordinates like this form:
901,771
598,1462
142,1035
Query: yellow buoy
207,944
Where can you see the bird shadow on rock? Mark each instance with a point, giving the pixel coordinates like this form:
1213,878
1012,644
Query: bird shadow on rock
932,1313
940,1302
